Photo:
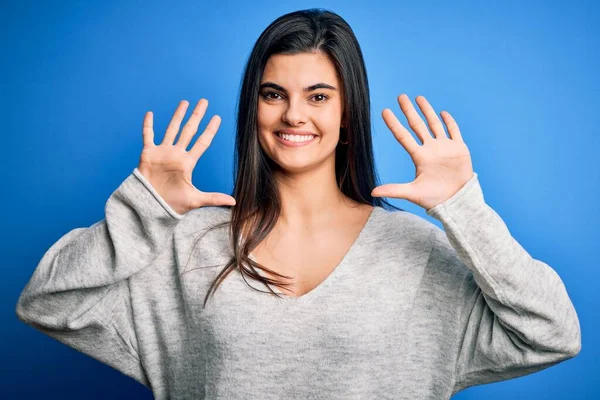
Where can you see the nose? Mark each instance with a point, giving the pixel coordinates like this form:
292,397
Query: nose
295,113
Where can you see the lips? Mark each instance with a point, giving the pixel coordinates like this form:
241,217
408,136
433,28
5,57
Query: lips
295,132
289,143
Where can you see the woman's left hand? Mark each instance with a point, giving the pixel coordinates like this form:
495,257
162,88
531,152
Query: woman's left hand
443,165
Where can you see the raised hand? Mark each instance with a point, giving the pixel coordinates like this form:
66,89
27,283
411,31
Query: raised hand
168,167
443,165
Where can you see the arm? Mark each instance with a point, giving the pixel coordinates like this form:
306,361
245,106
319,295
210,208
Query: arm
79,292
516,315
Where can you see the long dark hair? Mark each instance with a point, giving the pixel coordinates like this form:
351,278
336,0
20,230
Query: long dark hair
258,202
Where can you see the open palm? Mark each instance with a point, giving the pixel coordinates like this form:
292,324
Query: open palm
168,167
443,165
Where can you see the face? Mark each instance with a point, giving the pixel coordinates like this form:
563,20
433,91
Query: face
301,94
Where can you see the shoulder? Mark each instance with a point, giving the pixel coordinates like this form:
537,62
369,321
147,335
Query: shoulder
403,222
418,233
402,231
418,238
210,223
208,215
200,242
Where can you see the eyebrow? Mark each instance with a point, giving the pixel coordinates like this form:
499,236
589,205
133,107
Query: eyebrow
319,85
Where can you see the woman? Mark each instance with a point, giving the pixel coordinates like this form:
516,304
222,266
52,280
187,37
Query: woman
362,302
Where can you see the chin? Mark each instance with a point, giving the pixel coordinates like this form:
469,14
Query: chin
293,166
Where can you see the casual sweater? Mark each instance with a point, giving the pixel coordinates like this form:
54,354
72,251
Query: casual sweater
411,312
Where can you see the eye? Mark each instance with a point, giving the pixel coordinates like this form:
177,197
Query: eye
319,97
324,96
266,95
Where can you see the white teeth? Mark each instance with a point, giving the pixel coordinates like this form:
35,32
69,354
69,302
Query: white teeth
295,138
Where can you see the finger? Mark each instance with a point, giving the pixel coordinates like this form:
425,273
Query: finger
432,119
215,199
400,132
175,123
206,138
191,127
414,120
453,130
147,130
395,190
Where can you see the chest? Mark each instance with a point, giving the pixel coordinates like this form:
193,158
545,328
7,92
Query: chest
308,260
307,263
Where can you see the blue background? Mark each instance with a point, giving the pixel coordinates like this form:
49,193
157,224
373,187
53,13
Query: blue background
77,78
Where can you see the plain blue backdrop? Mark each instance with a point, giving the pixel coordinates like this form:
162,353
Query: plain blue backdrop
520,78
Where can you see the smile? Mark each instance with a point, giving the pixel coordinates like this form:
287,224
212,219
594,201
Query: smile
294,140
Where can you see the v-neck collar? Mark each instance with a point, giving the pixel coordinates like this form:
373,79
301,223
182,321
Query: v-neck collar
338,268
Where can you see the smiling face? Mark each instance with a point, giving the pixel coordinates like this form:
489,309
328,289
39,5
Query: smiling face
300,93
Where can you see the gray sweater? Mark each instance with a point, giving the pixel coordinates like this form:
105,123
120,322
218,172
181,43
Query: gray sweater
411,312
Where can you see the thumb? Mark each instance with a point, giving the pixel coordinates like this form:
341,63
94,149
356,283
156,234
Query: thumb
395,190
215,199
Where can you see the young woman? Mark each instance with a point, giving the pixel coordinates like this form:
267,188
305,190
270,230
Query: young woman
361,301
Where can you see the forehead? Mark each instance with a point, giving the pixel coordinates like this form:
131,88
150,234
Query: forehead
300,70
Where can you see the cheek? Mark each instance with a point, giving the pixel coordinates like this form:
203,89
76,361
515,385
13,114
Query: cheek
266,116
266,120
328,122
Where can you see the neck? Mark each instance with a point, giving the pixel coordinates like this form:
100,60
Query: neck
310,198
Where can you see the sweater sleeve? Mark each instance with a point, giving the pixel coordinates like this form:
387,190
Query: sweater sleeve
516,317
79,292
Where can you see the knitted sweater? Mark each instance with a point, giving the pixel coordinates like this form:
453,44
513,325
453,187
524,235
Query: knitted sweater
411,312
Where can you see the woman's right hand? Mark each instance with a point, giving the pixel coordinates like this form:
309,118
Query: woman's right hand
168,167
